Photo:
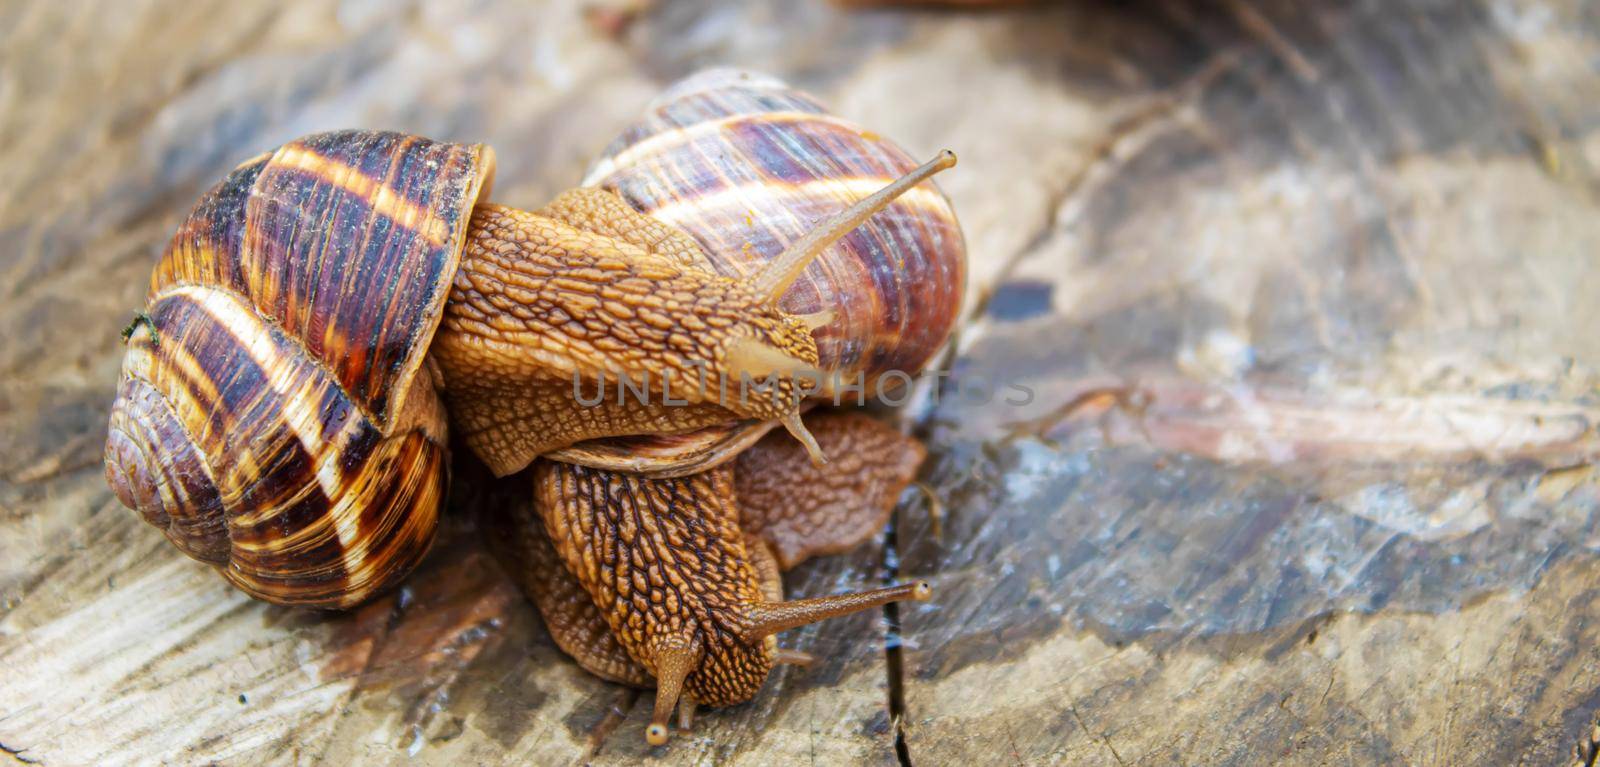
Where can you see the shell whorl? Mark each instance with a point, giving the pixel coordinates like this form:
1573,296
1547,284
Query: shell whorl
746,165
272,416
348,241
251,458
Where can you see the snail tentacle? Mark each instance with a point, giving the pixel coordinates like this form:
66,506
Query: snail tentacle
767,618
797,429
790,657
675,657
781,272
686,709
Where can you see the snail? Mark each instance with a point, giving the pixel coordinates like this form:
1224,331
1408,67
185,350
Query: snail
743,165
333,309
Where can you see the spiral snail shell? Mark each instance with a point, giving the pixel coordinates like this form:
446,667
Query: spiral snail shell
747,165
273,416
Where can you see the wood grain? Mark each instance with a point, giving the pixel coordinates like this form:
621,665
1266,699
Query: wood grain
1306,300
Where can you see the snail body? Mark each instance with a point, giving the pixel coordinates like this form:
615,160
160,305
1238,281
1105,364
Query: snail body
331,308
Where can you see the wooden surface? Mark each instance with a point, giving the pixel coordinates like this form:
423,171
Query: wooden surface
1306,300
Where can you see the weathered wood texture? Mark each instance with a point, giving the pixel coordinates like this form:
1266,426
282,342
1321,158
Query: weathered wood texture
1306,295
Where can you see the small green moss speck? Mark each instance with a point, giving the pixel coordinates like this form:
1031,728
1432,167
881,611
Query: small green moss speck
142,318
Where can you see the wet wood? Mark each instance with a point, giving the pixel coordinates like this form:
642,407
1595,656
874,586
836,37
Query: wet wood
1305,302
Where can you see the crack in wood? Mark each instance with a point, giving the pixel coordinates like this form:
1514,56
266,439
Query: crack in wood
894,660
1102,738
1123,142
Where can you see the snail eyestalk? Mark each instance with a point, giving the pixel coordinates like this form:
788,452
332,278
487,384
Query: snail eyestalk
753,360
775,280
790,657
816,320
797,429
674,661
686,707
769,618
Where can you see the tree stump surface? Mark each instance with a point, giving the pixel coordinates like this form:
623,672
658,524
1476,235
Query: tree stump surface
1303,297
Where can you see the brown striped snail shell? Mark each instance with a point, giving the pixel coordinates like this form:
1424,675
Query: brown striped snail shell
746,165
274,417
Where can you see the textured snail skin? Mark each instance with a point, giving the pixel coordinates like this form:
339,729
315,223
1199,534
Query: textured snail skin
641,578
539,301
802,512
272,416
669,559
